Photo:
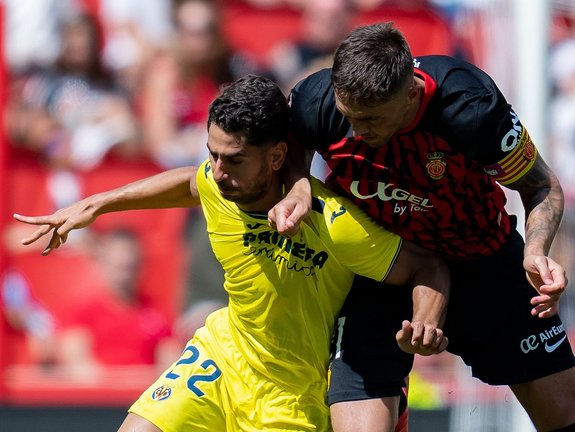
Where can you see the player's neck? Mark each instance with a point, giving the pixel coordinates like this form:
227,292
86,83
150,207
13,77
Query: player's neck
411,114
273,195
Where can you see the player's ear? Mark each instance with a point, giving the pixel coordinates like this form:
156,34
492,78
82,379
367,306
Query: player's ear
278,154
413,93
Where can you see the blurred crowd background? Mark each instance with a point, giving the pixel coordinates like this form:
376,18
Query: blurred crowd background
102,92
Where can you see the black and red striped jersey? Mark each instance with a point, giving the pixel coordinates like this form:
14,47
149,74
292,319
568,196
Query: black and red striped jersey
434,183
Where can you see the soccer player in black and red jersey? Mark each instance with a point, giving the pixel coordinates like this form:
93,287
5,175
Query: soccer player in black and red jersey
423,145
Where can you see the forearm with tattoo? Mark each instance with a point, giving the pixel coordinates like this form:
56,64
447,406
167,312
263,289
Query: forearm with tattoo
543,201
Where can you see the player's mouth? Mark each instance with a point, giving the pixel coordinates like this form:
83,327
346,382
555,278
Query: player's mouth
370,140
226,191
374,141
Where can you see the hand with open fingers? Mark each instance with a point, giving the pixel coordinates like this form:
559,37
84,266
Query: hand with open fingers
60,223
420,338
549,279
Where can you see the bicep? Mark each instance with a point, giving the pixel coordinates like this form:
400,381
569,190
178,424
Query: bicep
410,260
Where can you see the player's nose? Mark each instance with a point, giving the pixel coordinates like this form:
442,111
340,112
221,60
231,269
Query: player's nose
218,171
359,128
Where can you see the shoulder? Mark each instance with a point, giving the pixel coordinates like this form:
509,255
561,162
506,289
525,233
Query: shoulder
336,214
316,84
459,84
467,106
207,188
315,119
204,175
452,74
308,94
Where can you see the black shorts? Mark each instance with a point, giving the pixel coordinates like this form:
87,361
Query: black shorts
489,324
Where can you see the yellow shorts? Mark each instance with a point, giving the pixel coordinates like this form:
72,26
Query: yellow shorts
211,388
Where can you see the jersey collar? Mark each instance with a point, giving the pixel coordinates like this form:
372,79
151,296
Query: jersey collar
428,92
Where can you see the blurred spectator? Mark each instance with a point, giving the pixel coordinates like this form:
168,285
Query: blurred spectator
562,124
562,146
29,321
324,23
423,393
133,31
426,28
108,322
429,381
31,31
71,113
60,120
194,318
180,84
270,4
563,20
182,81
255,31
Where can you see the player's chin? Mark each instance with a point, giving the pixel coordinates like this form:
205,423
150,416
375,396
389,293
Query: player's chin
375,142
230,195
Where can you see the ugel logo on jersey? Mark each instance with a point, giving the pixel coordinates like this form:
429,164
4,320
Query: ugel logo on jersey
436,165
162,393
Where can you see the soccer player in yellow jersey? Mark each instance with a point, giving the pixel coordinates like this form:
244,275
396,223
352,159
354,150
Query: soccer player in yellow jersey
261,364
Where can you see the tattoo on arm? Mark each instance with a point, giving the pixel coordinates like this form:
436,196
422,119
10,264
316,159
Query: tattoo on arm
542,199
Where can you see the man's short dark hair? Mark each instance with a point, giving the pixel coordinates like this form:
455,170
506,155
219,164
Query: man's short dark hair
371,64
253,107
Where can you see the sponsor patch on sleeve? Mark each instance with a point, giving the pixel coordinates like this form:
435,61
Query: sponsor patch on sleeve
516,163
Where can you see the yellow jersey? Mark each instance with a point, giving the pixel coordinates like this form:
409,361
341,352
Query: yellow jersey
261,364
285,293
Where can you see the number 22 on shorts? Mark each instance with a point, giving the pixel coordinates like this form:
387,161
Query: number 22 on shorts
207,365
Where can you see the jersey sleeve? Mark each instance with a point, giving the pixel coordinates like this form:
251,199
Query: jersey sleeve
205,185
316,123
478,117
353,238
214,206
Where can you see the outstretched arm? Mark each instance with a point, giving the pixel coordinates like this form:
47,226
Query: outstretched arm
174,188
286,215
543,201
429,276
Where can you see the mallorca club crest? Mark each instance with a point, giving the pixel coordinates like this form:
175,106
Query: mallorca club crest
529,151
436,166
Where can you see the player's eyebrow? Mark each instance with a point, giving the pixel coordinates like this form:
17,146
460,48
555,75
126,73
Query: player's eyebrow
239,153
